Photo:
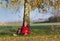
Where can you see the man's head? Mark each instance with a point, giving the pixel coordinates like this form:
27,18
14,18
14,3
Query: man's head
25,23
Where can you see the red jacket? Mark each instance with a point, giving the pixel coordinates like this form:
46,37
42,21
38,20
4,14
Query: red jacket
25,29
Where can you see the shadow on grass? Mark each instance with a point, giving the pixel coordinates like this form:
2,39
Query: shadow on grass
35,30
39,27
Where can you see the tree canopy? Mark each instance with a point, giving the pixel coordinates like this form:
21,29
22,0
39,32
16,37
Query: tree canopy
15,4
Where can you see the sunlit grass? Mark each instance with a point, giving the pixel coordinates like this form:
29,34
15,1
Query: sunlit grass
38,33
35,38
35,30
32,24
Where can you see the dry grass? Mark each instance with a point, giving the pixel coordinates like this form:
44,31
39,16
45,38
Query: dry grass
38,33
35,38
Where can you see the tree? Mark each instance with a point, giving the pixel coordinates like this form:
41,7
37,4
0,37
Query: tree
29,5
55,5
27,8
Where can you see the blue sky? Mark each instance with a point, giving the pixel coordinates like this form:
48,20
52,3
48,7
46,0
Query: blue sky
7,16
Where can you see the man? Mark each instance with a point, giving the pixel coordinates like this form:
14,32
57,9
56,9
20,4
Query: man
24,30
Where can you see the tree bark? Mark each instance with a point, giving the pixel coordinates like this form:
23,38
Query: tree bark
25,29
26,17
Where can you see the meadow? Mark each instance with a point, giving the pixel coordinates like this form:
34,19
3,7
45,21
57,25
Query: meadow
38,33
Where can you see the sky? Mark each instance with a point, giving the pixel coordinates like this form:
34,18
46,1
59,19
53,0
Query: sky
7,15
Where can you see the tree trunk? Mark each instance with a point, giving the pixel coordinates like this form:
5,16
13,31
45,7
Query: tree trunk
57,11
26,17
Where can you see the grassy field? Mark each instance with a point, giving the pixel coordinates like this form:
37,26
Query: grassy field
38,33
32,24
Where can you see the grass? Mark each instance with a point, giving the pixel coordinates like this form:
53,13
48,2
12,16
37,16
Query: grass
35,30
32,24
38,33
35,38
